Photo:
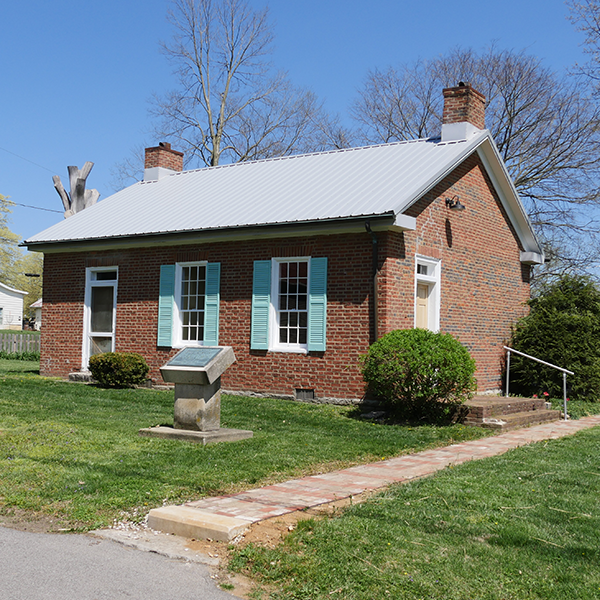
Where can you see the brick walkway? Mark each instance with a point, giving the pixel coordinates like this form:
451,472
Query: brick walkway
225,516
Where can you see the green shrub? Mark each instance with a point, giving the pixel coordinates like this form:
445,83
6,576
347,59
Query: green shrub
26,355
119,369
419,374
562,328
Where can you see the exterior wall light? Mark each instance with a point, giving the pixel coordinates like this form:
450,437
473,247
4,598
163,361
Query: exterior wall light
454,203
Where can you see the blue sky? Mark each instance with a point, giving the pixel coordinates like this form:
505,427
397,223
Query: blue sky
77,76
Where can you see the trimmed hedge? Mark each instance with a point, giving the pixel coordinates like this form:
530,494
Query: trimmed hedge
119,369
419,374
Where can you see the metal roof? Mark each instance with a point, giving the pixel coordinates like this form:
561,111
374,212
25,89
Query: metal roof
343,184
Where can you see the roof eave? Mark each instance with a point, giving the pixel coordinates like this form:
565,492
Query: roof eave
352,224
484,145
10,289
504,186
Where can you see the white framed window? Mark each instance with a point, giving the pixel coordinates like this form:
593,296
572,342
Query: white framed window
289,306
427,293
100,312
190,304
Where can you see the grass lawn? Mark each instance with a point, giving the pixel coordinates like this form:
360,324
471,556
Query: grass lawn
72,451
20,331
522,526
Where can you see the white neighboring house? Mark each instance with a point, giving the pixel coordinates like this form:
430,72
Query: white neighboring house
37,305
11,307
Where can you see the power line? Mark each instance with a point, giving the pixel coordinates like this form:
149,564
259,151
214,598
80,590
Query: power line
29,161
41,167
37,207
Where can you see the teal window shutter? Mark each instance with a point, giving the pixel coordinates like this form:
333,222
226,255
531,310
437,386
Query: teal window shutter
211,305
261,305
165,305
317,305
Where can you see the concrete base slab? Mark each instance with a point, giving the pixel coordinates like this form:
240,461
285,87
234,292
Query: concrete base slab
148,540
193,523
200,437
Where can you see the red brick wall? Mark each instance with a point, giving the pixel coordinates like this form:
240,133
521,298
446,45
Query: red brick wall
483,285
61,335
334,373
483,290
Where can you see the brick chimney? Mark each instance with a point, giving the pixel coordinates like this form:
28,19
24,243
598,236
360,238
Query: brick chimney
464,112
162,160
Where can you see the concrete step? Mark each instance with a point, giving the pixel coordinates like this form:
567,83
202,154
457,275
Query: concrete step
199,524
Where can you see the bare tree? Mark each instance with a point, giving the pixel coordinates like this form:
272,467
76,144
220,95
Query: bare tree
399,104
546,129
585,15
229,105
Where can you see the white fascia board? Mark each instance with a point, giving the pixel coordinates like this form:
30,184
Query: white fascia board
532,258
505,188
404,223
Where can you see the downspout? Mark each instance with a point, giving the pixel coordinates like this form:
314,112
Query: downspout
375,287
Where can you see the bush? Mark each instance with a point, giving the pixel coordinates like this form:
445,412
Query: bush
562,328
420,374
26,355
119,369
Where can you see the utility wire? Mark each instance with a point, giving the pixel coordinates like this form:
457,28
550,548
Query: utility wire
29,161
41,167
37,207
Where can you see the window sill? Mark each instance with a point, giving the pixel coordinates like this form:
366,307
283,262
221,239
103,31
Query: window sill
179,345
289,350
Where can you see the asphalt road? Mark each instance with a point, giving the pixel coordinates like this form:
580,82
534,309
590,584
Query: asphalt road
36,566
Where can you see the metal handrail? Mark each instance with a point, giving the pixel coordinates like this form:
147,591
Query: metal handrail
543,362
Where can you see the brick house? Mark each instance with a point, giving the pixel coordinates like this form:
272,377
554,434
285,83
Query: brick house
299,262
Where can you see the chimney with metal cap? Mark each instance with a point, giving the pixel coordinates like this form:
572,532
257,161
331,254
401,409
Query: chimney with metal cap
162,160
464,112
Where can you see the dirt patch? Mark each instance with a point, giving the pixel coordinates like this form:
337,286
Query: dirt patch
269,534
34,522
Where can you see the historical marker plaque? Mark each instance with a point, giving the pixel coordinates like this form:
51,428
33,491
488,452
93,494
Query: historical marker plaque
196,373
194,357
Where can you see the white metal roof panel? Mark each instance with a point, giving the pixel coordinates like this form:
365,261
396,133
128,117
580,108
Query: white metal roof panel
342,184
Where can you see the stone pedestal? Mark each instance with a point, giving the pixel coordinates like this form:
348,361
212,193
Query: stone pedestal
196,373
198,407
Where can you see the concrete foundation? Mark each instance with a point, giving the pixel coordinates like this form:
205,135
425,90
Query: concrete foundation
200,437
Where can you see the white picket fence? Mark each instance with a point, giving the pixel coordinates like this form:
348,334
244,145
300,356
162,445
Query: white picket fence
19,342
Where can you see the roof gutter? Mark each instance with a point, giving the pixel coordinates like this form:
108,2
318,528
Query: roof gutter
379,222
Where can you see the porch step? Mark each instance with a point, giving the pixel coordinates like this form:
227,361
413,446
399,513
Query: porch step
84,376
502,414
